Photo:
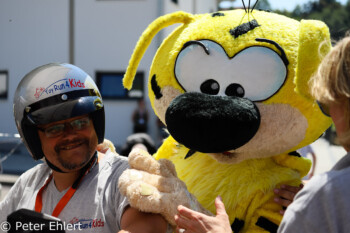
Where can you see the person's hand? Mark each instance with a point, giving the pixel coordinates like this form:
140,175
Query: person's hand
286,195
153,186
189,221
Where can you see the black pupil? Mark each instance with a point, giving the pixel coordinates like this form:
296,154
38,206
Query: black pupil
235,90
210,87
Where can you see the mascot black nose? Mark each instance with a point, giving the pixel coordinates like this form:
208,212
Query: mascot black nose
212,124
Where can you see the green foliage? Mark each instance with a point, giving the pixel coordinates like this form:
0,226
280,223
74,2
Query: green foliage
263,5
335,15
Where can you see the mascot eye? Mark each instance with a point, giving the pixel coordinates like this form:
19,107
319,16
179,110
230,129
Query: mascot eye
235,90
210,87
195,70
260,70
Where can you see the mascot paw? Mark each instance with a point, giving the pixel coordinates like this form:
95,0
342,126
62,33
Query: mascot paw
153,186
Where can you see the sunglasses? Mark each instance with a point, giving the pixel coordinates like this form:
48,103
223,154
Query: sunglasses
58,129
324,108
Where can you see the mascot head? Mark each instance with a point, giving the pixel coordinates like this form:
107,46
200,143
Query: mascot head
234,84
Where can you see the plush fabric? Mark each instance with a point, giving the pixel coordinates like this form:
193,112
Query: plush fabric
248,72
236,119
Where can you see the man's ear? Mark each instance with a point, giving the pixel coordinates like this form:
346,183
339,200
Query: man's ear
314,44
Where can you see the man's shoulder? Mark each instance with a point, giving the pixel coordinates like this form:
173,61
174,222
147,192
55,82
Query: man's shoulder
323,194
331,179
112,157
114,161
338,179
35,174
325,187
38,169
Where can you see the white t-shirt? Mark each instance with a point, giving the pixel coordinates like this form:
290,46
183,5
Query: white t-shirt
96,206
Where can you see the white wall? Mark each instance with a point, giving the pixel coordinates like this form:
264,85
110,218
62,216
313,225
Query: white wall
106,33
36,32
32,33
190,6
205,6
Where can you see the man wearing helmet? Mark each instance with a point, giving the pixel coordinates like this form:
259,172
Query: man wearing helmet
59,114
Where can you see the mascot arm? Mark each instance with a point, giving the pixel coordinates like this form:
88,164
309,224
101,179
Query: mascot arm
153,186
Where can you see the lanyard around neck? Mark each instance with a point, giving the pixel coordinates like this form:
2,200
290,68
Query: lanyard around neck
66,198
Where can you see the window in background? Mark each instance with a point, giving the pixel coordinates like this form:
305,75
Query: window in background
3,84
111,86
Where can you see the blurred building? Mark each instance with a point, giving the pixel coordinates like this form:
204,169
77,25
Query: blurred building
96,35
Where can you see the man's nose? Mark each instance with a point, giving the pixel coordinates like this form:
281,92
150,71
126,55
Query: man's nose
68,128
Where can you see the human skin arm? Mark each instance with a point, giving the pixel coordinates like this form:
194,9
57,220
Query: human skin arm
135,221
286,195
195,222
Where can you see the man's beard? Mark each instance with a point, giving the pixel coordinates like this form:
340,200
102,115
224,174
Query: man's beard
72,166
69,165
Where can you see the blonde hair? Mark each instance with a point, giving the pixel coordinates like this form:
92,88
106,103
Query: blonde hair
331,83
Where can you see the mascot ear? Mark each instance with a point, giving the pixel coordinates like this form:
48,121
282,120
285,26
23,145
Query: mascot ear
146,38
314,44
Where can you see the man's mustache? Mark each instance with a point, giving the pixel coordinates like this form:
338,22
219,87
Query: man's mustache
65,143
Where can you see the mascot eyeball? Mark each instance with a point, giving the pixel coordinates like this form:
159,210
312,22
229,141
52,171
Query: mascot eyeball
232,89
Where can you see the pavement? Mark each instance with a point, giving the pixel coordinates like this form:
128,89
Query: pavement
327,155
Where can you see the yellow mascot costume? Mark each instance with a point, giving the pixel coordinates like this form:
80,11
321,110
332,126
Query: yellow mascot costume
232,89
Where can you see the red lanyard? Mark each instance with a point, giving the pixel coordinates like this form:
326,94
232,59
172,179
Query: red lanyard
65,199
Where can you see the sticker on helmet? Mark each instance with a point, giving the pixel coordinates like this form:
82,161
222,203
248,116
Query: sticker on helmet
59,86
38,92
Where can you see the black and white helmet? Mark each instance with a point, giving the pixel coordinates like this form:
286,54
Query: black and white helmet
55,92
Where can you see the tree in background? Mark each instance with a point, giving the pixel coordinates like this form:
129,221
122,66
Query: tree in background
263,5
234,4
334,14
